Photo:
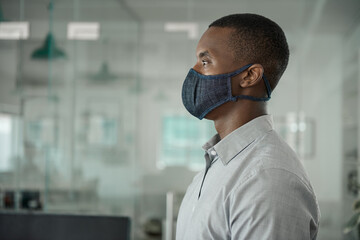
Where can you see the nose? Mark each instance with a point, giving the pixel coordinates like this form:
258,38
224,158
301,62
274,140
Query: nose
197,67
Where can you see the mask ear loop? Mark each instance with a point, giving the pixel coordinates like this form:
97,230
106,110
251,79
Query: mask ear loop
268,87
256,99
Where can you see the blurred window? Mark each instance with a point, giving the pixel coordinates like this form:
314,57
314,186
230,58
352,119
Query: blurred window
182,139
102,131
6,129
41,132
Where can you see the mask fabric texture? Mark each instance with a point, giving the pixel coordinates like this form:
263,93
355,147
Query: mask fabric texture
203,93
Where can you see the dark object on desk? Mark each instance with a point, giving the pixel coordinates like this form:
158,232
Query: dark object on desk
31,226
9,199
30,200
153,227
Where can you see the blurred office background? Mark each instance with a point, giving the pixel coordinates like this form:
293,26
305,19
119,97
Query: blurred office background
91,118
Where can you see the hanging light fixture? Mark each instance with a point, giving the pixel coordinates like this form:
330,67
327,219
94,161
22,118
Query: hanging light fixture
49,49
1,15
104,74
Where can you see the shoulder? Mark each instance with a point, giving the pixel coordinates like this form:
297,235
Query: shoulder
277,196
276,174
268,180
275,181
273,203
272,154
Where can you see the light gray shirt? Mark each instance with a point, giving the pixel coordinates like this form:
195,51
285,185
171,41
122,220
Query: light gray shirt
254,187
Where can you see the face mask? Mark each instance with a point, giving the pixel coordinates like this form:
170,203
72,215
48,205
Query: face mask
202,93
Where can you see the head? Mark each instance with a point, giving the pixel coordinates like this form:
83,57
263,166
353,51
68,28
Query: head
256,39
245,49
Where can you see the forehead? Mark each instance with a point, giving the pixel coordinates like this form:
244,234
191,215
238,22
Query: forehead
215,40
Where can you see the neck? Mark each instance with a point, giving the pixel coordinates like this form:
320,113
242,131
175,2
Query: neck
237,116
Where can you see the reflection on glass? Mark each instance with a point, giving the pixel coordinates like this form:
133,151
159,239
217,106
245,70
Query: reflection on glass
299,132
182,138
6,140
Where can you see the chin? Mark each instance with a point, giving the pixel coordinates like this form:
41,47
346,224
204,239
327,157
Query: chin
211,115
219,111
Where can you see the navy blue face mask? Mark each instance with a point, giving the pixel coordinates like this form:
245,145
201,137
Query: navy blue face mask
203,93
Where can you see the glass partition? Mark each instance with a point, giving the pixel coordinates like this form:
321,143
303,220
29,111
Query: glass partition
91,118
68,119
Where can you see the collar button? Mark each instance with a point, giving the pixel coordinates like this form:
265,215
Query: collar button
213,152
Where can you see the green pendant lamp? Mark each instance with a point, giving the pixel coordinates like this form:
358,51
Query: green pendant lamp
49,49
104,74
2,18
1,15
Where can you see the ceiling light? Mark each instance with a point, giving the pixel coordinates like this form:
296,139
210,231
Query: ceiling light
14,30
83,30
191,28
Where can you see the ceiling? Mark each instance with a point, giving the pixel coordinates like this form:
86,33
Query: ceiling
328,16
332,16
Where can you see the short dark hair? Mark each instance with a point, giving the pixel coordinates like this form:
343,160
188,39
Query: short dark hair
257,39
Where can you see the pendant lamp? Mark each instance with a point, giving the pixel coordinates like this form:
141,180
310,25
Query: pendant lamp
49,49
1,15
2,18
104,74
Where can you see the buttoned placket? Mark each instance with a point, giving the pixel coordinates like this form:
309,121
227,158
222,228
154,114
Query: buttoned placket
210,157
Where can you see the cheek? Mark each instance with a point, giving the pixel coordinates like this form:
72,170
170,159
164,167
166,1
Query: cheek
235,86
218,67
225,65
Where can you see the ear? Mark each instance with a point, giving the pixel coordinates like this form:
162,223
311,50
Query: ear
252,75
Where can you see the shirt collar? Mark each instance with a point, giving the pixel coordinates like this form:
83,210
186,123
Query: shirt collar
234,143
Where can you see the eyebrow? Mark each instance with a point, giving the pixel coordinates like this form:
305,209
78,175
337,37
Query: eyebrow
204,54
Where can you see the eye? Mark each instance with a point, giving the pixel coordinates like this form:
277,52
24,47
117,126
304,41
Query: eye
204,62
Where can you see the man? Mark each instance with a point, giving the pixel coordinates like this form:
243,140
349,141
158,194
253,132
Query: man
254,187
